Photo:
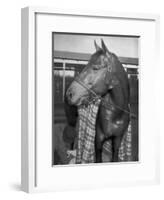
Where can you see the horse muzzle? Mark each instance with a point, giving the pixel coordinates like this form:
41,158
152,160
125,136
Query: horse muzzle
76,94
69,95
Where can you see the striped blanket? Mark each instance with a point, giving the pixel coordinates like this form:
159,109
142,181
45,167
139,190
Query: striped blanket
85,152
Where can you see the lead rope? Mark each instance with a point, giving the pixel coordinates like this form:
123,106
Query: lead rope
99,97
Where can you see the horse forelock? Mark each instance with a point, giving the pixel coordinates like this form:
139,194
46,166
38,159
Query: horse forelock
96,55
109,58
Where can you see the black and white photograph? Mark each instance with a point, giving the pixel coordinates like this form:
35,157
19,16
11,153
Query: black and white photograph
89,100
95,97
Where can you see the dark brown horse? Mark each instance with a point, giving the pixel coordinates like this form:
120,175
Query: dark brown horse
104,77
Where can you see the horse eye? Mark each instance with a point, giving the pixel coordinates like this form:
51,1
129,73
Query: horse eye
95,67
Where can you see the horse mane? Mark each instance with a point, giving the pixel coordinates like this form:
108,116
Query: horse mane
121,74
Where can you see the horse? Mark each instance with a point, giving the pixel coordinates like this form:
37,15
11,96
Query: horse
104,77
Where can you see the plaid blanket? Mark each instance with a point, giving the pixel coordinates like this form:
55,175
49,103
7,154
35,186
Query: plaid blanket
86,133
85,152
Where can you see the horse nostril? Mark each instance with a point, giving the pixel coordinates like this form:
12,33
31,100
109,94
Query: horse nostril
70,94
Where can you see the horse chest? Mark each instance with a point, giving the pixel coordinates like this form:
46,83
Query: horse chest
109,125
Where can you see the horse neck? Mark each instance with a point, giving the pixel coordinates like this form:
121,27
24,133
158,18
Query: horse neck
120,92
116,97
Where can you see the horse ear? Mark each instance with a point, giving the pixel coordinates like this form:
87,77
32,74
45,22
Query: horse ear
104,48
96,46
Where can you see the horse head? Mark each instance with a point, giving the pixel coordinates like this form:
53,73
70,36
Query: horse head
99,76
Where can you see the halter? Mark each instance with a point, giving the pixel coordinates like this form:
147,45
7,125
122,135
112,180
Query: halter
96,96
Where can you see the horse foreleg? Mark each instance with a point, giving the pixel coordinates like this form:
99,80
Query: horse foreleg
98,149
99,140
116,143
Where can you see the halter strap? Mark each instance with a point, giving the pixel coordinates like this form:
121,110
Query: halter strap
105,104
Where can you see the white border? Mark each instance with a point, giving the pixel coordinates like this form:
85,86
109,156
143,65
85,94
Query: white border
29,87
